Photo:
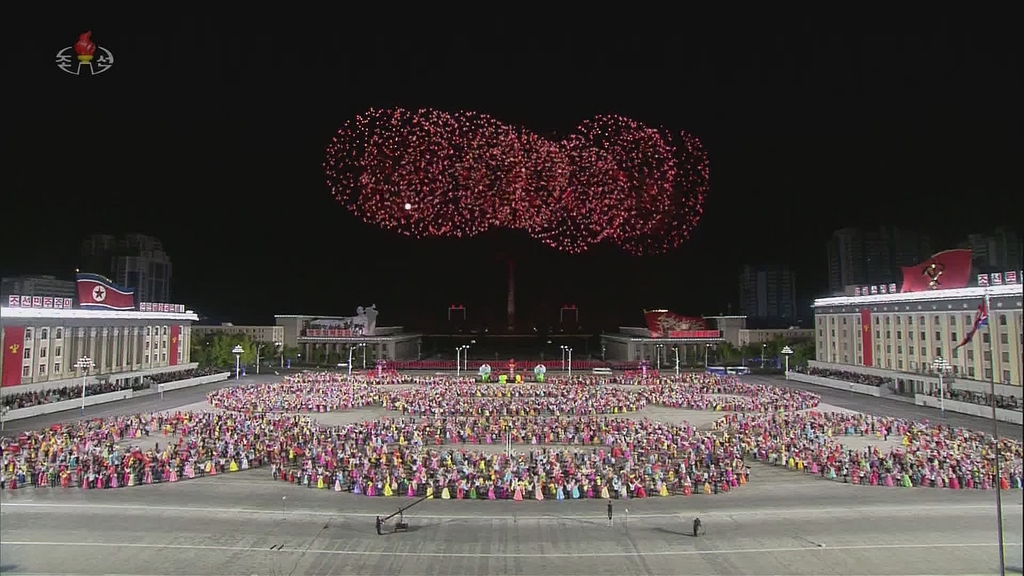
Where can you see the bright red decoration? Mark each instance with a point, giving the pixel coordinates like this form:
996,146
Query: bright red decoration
433,173
84,46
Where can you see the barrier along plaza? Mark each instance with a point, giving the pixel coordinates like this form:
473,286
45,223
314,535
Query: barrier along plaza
448,438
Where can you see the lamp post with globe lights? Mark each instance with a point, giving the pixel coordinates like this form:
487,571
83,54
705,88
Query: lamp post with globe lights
568,352
941,366
84,364
787,352
238,351
279,346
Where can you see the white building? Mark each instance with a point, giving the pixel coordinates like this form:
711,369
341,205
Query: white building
900,335
41,346
263,334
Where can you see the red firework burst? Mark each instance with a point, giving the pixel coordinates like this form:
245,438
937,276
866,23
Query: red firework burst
431,173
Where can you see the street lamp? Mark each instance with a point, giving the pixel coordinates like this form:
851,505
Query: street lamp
257,346
459,351
238,351
568,352
707,352
280,352
764,350
465,355
657,354
84,364
787,352
563,358
352,349
676,350
941,366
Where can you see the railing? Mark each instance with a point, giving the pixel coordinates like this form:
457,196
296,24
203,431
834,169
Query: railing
501,365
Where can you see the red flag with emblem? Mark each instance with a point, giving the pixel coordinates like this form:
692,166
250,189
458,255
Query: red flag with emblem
865,336
948,269
172,355
14,340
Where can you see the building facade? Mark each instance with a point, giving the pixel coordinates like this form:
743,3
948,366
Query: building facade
995,251
314,336
41,347
762,335
872,256
37,286
767,292
135,260
904,333
265,334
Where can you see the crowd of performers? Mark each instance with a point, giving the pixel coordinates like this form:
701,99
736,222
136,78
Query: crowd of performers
447,438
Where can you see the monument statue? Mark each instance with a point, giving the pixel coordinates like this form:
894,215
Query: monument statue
367,318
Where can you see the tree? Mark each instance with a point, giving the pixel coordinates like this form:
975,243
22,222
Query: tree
802,352
215,349
727,353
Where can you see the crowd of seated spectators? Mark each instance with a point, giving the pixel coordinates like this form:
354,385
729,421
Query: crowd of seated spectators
165,377
1005,402
853,377
73,391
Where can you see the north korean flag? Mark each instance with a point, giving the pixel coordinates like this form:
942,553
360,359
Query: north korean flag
97,292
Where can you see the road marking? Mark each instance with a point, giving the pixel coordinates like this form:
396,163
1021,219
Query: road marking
286,509
954,545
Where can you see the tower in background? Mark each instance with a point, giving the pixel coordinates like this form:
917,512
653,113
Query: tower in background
858,256
768,292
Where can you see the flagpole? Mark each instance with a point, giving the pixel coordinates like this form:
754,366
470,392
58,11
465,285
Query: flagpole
995,434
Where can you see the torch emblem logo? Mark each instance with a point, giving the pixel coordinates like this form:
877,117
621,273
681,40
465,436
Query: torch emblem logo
85,57
934,272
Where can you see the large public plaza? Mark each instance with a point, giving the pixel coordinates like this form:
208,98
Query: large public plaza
781,521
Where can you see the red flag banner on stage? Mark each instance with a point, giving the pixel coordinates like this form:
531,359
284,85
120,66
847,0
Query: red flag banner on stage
14,342
172,354
661,323
97,292
948,269
865,337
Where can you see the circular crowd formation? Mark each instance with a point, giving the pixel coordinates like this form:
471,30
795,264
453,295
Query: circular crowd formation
451,438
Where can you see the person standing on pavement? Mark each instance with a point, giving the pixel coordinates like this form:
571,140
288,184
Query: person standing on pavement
609,513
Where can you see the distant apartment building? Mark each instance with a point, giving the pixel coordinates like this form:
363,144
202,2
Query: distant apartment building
768,292
871,256
37,286
133,260
264,334
994,251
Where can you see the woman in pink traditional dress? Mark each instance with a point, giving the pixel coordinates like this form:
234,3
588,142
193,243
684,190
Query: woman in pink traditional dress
517,494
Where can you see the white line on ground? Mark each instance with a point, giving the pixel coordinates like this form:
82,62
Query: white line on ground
954,545
554,514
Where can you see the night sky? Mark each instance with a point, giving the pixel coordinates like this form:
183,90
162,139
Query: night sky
210,136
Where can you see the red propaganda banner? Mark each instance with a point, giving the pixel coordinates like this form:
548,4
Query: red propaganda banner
662,323
695,334
865,337
172,355
98,292
948,269
14,340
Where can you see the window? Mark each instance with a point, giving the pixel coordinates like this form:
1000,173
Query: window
923,336
42,369
921,321
56,351
1004,338
1002,319
58,335
163,357
145,359
970,355
988,373
888,334
952,320
899,320
844,333
1006,357
888,348
1006,376
28,354
821,333
165,330
887,320
164,344
953,337
937,321
56,367
899,334
986,356
970,371
956,352
938,352
910,335
147,330
876,320
899,349
28,334
147,345
924,352
985,338
26,371
44,334
844,320
878,333
900,364
42,352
